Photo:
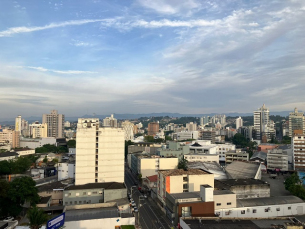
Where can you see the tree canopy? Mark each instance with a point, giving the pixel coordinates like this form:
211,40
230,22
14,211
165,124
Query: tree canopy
182,164
71,144
37,217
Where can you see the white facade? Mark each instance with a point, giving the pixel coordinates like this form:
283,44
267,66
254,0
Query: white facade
191,126
39,130
277,159
67,124
33,144
201,157
65,171
25,152
239,123
203,146
110,121
222,149
18,123
298,146
128,128
186,135
149,166
100,153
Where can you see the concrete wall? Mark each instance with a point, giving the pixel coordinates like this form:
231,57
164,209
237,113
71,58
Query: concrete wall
25,152
151,166
114,194
202,157
57,195
262,212
65,171
195,181
106,223
251,191
176,184
225,201
74,197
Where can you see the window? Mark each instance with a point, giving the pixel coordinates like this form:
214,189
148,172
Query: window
89,193
218,204
229,203
278,209
254,211
289,208
79,202
84,201
70,202
75,202
66,203
266,210
69,194
84,193
243,212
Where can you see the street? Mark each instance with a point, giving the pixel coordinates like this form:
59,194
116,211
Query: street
151,216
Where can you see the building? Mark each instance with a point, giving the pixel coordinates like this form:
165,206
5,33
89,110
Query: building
266,147
238,122
174,149
66,171
150,182
191,126
222,149
201,157
244,188
262,125
149,147
298,147
179,180
236,156
247,131
18,124
38,142
209,135
259,157
110,121
150,165
55,124
203,147
277,160
5,156
185,135
55,190
211,167
11,137
296,123
153,128
128,127
24,151
39,130
244,170
67,124
100,153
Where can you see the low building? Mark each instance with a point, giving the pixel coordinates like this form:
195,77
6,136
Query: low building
179,180
202,157
25,152
150,165
212,167
174,149
44,202
208,135
244,188
5,156
66,170
222,149
93,193
277,160
204,147
259,157
148,147
185,135
265,147
103,216
236,156
244,170
41,173
150,182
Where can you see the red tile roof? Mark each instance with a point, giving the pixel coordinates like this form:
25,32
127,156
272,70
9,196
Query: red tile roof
153,178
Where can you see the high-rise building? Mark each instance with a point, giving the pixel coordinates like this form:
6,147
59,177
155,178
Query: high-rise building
39,130
153,128
11,137
55,123
296,123
239,123
128,127
110,121
298,147
191,126
18,123
262,125
99,153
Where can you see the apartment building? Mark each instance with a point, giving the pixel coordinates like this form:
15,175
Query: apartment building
296,123
55,124
11,137
179,180
39,130
110,121
100,153
128,128
262,125
238,122
236,156
298,147
277,160
153,128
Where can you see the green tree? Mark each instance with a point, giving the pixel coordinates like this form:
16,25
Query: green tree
286,140
55,160
45,160
140,177
71,144
21,165
4,194
239,140
36,217
292,181
168,138
149,138
62,149
5,167
182,164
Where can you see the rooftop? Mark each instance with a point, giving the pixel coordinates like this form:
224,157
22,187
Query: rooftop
242,169
227,184
221,224
261,155
106,185
45,199
179,172
91,213
185,195
153,178
52,186
265,201
8,154
210,166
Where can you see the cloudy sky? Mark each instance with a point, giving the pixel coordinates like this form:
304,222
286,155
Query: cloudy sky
142,56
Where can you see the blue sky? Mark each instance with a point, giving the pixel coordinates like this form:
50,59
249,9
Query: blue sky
142,56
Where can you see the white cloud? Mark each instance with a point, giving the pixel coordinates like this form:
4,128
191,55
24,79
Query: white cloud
69,72
23,29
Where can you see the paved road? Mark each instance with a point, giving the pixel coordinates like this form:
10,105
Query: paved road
151,217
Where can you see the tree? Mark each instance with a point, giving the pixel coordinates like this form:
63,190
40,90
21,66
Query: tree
71,144
20,165
36,217
4,193
45,160
5,167
168,138
239,140
140,177
286,140
149,138
55,160
182,164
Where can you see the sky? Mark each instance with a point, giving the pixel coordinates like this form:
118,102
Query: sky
142,56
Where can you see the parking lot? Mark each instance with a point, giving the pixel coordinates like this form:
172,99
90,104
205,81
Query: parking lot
277,187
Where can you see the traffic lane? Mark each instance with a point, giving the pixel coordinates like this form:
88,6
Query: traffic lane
147,216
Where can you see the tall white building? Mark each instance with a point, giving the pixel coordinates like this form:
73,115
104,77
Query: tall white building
110,121
128,127
18,124
296,123
55,123
239,123
298,147
191,126
99,153
262,124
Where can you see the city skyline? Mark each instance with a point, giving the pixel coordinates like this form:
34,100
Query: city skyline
189,57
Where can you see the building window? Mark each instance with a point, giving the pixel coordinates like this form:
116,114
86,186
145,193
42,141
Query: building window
84,193
75,202
66,203
94,192
218,204
100,192
80,202
289,208
69,194
70,202
229,203
184,178
243,212
278,209
84,201
77,194
254,211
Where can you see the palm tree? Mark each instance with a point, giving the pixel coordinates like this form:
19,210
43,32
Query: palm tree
36,217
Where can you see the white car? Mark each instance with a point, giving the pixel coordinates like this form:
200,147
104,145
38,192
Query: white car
145,196
135,209
133,204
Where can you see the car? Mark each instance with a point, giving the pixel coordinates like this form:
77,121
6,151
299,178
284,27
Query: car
133,204
145,196
131,200
135,209
9,218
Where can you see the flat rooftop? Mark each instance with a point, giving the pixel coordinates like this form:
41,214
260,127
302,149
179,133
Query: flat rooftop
227,184
265,201
106,185
51,186
178,172
91,213
241,170
221,224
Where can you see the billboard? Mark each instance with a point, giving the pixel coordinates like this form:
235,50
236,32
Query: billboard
56,222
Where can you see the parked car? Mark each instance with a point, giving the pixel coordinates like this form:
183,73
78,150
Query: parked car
9,218
135,209
145,196
133,204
